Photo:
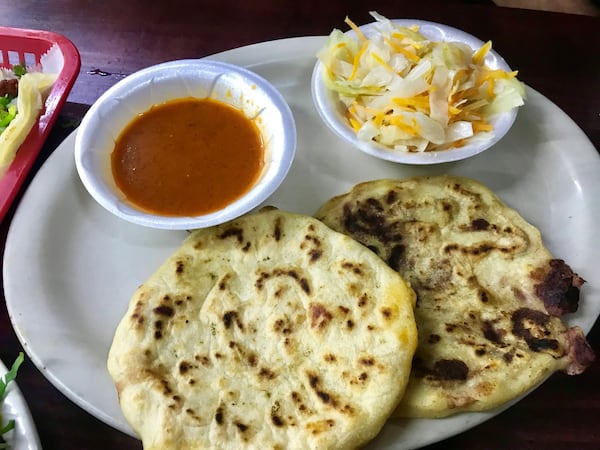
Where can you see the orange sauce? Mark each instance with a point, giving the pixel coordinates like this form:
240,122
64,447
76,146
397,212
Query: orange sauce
187,157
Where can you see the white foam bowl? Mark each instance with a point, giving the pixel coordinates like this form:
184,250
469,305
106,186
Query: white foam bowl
199,78
332,110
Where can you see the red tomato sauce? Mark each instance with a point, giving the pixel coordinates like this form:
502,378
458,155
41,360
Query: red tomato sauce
187,157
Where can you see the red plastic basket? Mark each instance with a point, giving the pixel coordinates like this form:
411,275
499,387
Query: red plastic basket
18,46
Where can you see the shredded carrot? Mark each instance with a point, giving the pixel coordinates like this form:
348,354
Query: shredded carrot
357,60
355,124
410,55
380,60
453,110
416,103
410,128
459,143
481,125
344,46
490,88
479,55
352,25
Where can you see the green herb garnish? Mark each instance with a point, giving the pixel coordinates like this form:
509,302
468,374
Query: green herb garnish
7,114
19,70
4,382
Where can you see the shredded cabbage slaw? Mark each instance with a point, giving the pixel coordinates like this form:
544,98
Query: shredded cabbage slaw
411,94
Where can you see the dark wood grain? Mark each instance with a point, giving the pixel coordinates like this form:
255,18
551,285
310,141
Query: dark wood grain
557,54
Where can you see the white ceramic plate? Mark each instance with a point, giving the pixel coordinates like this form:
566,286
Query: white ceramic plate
70,267
24,436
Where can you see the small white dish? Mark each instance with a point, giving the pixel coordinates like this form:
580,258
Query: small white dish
198,78
331,110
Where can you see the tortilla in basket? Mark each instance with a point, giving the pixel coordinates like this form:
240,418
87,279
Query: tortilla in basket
30,101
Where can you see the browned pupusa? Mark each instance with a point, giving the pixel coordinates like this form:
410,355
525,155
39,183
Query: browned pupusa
488,293
272,331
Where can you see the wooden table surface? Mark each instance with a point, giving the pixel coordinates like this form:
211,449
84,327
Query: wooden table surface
557,54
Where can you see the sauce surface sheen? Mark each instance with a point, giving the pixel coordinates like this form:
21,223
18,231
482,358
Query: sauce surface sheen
187,157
